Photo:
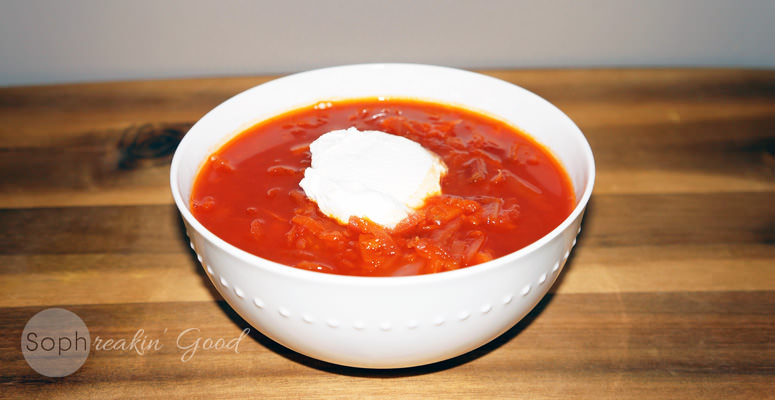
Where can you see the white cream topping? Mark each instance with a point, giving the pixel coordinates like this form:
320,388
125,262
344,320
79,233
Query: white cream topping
370,174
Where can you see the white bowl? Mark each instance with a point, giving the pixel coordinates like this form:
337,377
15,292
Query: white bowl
395,321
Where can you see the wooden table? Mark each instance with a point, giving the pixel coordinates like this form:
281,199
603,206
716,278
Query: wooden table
670,292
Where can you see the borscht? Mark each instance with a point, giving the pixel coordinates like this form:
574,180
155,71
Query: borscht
501,191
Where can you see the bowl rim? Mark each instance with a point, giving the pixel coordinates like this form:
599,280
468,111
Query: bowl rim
320,277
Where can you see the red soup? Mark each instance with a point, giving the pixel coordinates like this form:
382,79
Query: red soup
502,192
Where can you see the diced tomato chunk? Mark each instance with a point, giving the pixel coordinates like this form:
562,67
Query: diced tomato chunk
476,170
206,203
437,259
409,223
439,214
256,229
316,232
376,251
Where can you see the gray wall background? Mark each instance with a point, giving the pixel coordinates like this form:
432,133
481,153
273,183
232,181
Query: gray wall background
51,41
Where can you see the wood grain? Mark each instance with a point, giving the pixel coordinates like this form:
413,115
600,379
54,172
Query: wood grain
670,292
609,345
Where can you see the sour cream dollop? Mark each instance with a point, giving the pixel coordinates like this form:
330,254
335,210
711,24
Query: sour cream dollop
370,174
